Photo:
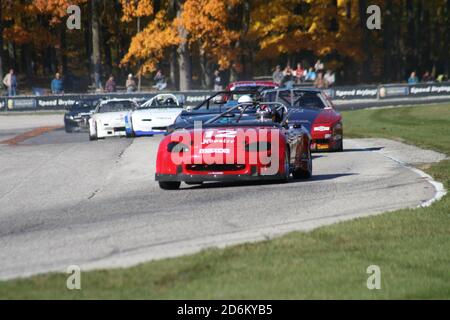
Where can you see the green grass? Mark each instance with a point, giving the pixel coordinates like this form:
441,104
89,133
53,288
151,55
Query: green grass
412,247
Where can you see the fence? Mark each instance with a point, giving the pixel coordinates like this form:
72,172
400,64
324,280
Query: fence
369,93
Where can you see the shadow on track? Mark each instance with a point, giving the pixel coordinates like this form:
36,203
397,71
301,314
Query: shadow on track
363,149
319,177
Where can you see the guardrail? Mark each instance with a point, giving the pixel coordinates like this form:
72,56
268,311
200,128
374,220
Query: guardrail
369,93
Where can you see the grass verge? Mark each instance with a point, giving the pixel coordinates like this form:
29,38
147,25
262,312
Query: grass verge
412,247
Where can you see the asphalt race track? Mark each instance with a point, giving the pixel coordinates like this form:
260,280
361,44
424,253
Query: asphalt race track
67,201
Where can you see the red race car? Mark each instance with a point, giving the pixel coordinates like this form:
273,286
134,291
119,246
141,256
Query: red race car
236,145
316,112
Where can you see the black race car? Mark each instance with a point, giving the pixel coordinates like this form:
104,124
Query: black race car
212,106
77,116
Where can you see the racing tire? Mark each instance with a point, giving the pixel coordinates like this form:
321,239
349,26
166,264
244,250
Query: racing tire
93,137
287,167
340,146
302,173
169,185
68,129
194,183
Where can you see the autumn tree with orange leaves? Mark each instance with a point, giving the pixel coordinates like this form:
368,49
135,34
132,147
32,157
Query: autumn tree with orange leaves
189,39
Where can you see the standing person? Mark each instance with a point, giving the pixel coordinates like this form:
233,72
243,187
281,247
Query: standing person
319,66
277,75
10,82
110,85
311,75
299,73
288,78
320,81
160,80
413,79
330,78
427,77
57,84
98,82
217,81
130,84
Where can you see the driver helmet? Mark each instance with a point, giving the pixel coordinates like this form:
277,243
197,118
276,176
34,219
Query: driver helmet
246,99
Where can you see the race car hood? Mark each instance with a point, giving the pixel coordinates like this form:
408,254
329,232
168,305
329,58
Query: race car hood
157,114
112,118
310,117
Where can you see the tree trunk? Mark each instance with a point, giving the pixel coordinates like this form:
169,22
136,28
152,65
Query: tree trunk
173,69
447,41
1,43
184,62
365,66
96,58
12,55
388,46
63,51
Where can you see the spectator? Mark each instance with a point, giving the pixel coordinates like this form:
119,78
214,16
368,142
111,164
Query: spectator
161,83
98,82
330,78
320,82
299,73
427,77
110,85
130,84
217,81
277,75
288,78
442,77
311,75
57,84
319,66
413,78
10,82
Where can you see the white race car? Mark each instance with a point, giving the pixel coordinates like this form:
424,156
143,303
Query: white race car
154,116
108,119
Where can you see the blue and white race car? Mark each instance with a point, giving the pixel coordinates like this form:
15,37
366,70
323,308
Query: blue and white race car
154,116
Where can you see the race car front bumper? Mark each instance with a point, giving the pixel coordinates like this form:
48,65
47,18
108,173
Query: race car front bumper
252,174
215,177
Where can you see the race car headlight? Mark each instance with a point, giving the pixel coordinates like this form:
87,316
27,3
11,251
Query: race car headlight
258,146
177,147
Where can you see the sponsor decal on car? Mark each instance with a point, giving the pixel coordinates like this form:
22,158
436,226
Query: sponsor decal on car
214,150
322,128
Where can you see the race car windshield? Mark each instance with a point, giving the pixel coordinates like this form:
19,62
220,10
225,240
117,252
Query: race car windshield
297,99
159,104
82,106
257,89
116,106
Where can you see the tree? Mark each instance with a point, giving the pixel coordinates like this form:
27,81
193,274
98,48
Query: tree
96,55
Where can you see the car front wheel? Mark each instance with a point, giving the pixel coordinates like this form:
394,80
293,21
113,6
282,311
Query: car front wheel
93,136
305,173
169,185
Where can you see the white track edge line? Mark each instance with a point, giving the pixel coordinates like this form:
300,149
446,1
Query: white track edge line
439,188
